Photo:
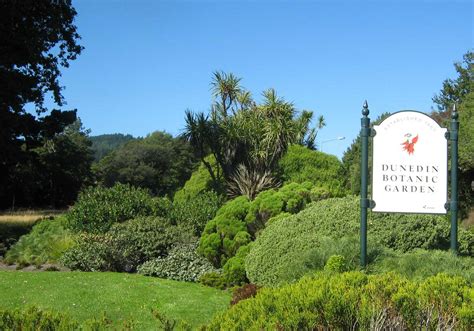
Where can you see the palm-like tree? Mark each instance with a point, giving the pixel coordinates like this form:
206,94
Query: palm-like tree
247,139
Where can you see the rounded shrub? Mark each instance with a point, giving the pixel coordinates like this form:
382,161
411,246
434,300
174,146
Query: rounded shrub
226,232
291,198
289,247
98,208
301,164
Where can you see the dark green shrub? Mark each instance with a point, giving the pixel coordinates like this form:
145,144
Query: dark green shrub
91,252
291,198
226,232
125,246
45,243
301,164
353,300
213,279
141,239
234,269
98,208
182,264
283,250
195,212
162,206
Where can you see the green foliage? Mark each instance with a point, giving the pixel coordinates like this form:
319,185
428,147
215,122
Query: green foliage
336,263
247,139
158,162
44,244
352,157
420,264
38,40
234,269
354,301
34,318
182,263
98,208
291,198
124,247
291,247
105,143
200,181
213,279
141,239
91,252
301,164
225,233
194,213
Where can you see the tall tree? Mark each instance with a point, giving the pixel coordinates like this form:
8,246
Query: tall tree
460,91
246,139
158,162
37,39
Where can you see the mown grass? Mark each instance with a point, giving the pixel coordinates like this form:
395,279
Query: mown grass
121,296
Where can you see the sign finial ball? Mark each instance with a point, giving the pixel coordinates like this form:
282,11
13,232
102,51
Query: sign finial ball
365,110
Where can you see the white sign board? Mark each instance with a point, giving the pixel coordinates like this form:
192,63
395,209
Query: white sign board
410,165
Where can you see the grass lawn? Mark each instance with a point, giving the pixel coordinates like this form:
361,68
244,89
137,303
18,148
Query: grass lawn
121,296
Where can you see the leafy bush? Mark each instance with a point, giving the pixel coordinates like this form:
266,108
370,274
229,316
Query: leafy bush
353,300
98,208
200,182
141,239
234,268
213,279
182,264
324,171
336,263
91,252
226,232
194,213
44,244
288,248
34,318
291,198
124,247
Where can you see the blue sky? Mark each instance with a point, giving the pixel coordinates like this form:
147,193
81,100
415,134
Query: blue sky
146,62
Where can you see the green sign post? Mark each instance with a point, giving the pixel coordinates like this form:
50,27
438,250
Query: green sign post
409,168
364,169
453,137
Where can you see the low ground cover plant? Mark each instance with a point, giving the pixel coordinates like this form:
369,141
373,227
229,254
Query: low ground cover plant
182,264
355,300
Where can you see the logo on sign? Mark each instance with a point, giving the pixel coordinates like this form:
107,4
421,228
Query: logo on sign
408,145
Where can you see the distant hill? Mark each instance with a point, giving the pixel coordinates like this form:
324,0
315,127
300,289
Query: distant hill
105,143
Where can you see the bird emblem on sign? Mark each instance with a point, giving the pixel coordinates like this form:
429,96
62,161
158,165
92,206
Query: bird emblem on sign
408,145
